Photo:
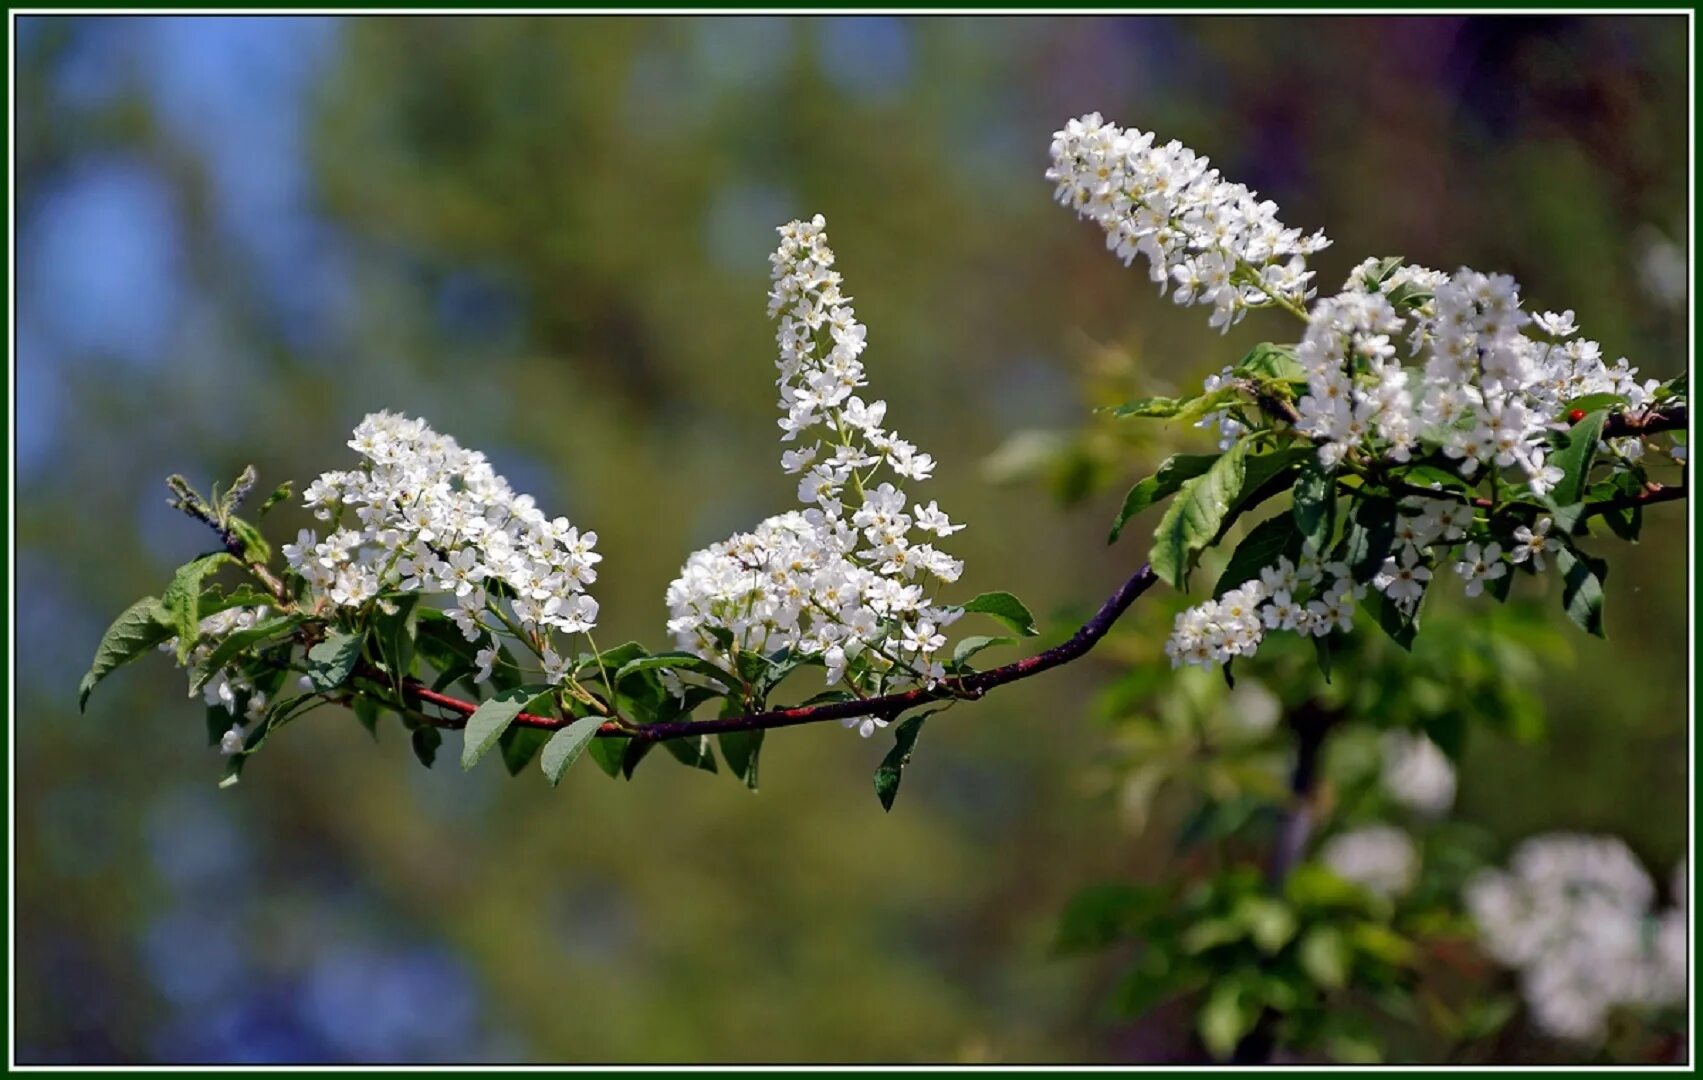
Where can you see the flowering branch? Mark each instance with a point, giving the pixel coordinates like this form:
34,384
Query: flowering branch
967,687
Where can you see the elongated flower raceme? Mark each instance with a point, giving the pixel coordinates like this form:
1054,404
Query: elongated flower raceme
851,579
1215,240
422,514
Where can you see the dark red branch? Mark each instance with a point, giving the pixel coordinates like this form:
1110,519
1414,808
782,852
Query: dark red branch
968,687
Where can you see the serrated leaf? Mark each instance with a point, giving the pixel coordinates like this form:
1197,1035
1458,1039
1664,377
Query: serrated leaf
1196,515
238,642
140,627
1271,539
1176,470
608,754
330,661
1315,505
1007,609
970,646
566,745
493,717
1576,458
1581,590
892,767
182,599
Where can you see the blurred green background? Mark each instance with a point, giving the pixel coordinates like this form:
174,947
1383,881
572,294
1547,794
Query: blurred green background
548,237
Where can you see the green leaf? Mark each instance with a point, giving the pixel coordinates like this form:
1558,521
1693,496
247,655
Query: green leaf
1177,469
1381,943
1101,914
740,749
1576,458
970,646
1270,922
1007,609
1325,957
493,717
1315,505
1366,543
1268,541
892,767
677,661
1400,625
1227,1016
694,752
279,494
566,745
1152,406
519,745
1434,478
330,662
637,750
1590,403
139,628
1196,515
182,599
1381,270
425,741
1274,363
1581,590
1195,408
238,642
608,754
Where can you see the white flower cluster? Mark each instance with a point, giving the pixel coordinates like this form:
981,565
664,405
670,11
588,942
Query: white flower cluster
1317,598
845,579
226,687
1218,242
1379,858
423,514
1573,914
1488,395
1417,773
1313,598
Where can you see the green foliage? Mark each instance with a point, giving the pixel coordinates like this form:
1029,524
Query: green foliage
181,601
1007,609
892,767
494,716
139,628
1576,457
1172,475
566,746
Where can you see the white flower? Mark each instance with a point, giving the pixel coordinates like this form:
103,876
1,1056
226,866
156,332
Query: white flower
1380,858
846,579
1479,565
1417,773
865,725
1556,325
1531,544
1403,578
230,743
484,658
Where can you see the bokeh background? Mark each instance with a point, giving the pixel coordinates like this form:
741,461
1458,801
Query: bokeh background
548,236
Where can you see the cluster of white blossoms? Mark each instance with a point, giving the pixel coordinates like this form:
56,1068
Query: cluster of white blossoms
847,580
1379,858
1488,395
1313,598
422,514
1216,241
226,687
1574,915
1417,773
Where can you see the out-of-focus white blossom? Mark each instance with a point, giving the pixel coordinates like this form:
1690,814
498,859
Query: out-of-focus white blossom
1217,242
847,579
1381,858
1573,914
1417,773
